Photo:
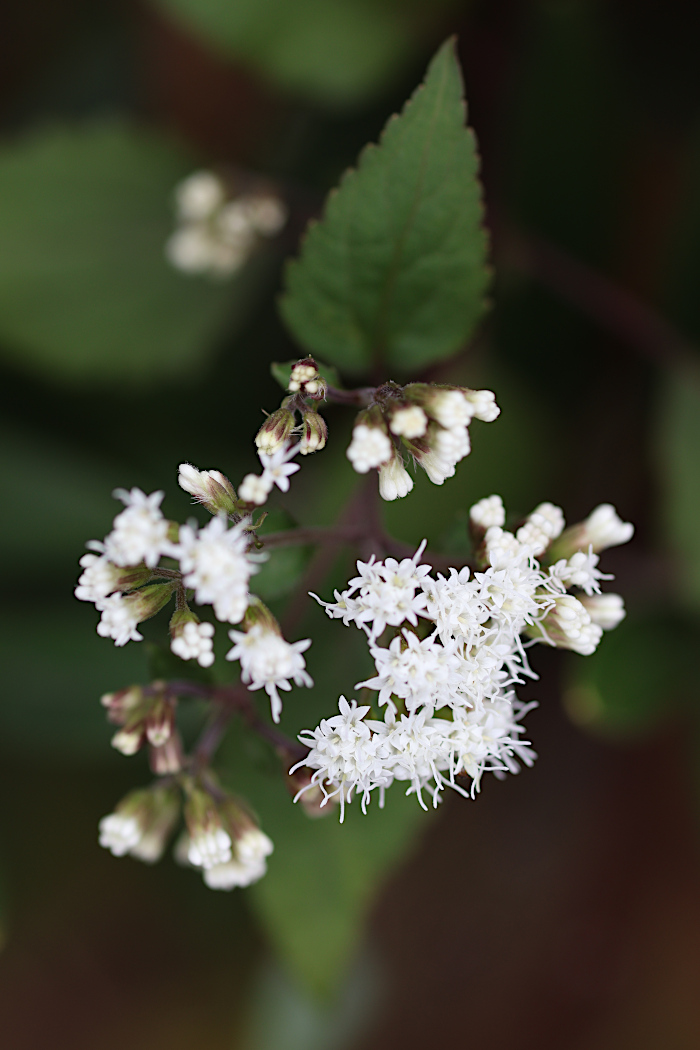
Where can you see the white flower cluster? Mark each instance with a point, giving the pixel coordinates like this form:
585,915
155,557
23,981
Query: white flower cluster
216,235
432,422
128,584
446,679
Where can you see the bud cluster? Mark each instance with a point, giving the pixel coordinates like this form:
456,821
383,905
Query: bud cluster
220,837
215,233
430,422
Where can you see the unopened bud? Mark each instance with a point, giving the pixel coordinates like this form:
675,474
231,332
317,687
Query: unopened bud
315,433
488,512
168,757
394,480
275,431
141,824
482,404
160,720
199,195
190,639
606,610
568,625
144,604
371,445
209,842
446,405
267,213
408,421
601,529
122,704
307,380
211,488
255,488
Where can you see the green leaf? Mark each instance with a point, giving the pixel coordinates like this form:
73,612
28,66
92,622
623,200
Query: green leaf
679,474
639,675
281,371
337,52
395,273
85,290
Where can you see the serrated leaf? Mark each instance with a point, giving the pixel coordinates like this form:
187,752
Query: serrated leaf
337,52
85,290
395,272
678,457
636,678
281,373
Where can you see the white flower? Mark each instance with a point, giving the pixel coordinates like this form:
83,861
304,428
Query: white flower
488,739
255,488
580,570
370,447
99,579
389,593
483,405
191,249
119,620
437,468
487,512
199,195
503,549
456,605
233,226
346,756
418,751
394,480
214,562
268,661
452,445
209,847
253,846
605,610
119,833
140,532
409,422
277,468
195,642
419,672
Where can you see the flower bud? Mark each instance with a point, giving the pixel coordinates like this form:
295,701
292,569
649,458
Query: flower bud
485,514
307,380
168,757
250,848
602,528
198,196
209,843
394,480
408,421
122,704
315,433
371,445
266,213
446,405
101,577
255,488
275,431
141,824
482,404
605,610
211,488
190,639
568,625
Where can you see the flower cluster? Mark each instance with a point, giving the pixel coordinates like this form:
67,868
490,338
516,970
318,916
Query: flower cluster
215,235
446,677
147,560
221,838
432,424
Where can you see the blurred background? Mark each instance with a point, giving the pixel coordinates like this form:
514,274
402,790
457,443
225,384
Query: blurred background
562,910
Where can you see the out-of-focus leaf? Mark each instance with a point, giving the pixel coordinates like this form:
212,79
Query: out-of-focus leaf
679,473
322,876
337,52
395,272
639,674
282,371
85,289
286,1017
